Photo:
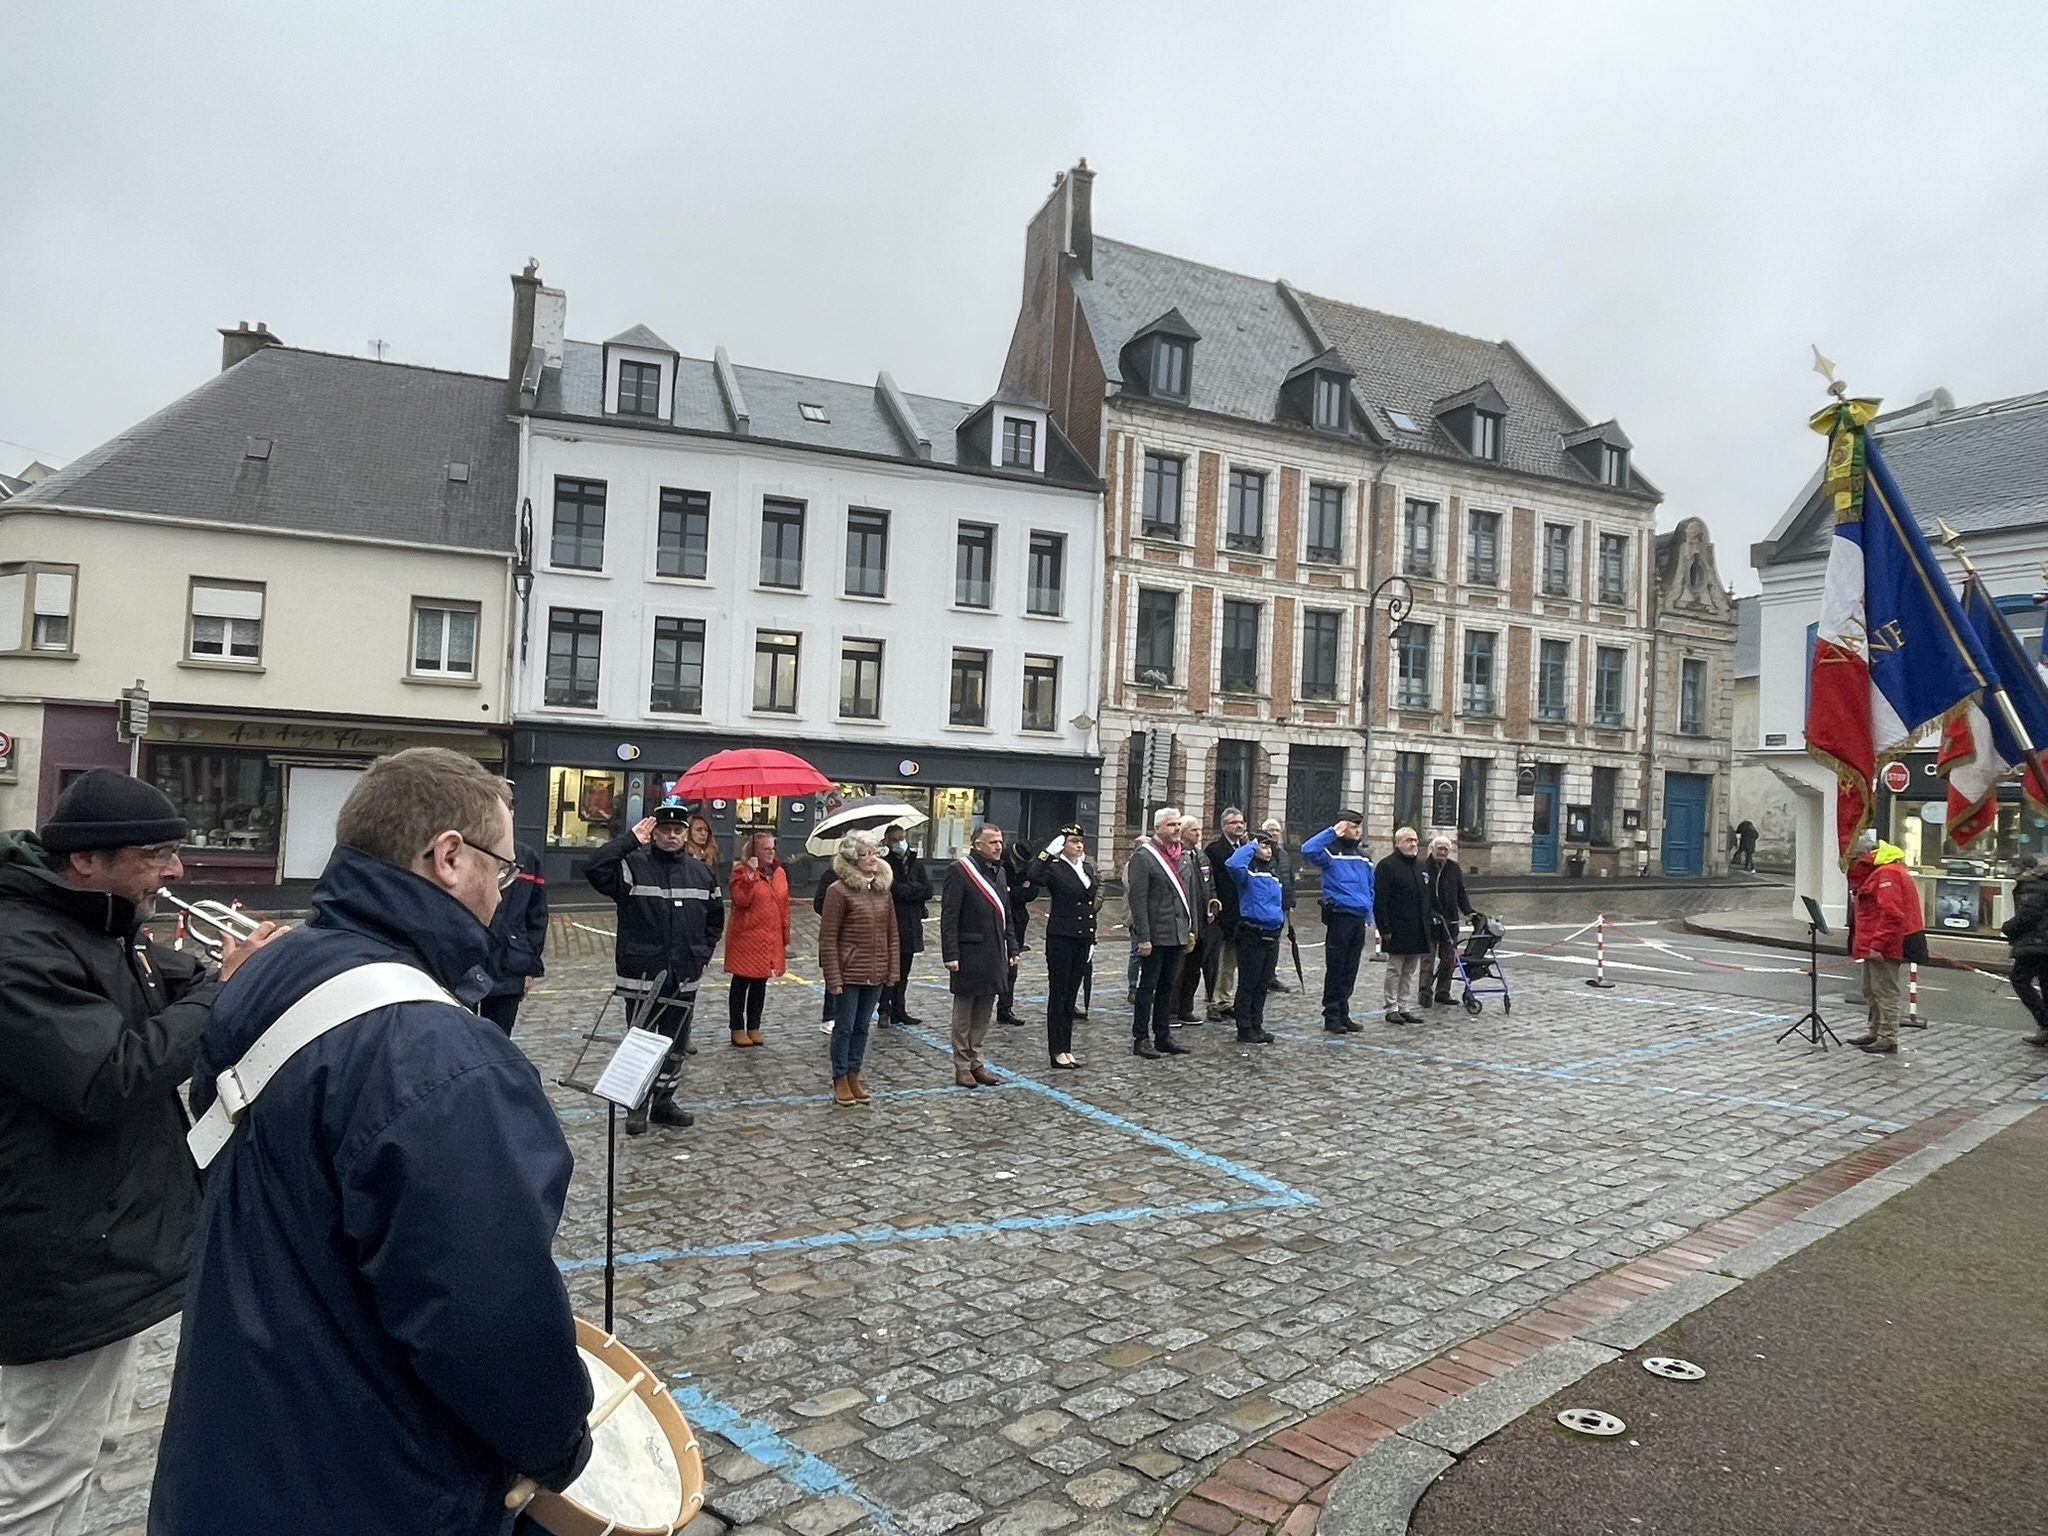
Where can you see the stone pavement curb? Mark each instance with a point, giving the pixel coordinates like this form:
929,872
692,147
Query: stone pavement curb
1357,1468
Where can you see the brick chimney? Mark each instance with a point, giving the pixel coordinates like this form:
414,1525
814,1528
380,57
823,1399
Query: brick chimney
525,286
1081,216
242,342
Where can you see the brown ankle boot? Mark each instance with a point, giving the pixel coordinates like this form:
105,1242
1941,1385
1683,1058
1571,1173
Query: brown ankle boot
842,1093
754,1037
860,1094
739,1038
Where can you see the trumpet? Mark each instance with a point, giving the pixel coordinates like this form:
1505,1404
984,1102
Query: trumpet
209,922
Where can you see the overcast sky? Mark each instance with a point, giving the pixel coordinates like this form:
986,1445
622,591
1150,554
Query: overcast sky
1661,205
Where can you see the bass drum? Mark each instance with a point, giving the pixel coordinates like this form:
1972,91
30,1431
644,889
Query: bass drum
645,1476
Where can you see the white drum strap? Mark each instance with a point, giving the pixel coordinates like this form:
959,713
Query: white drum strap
333,1003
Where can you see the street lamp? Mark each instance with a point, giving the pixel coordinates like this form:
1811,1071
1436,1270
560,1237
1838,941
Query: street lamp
1400,597
522,569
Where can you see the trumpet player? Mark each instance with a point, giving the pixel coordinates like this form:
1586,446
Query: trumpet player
98,1026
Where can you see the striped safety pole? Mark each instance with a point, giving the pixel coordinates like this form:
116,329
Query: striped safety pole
1913,1019
1379,955
178,935
1599,976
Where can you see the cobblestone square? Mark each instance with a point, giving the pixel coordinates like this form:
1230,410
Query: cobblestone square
1050,1305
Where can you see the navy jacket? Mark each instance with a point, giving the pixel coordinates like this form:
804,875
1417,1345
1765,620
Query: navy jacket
671,910
1347,872
1261,901
376,1337
519,931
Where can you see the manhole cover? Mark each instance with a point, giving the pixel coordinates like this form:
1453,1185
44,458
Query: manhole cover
1672,1370
1591,1421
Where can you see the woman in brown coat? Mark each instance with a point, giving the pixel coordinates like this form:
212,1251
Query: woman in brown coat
857,950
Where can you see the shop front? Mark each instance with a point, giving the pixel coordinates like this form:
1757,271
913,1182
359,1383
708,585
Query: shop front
262,791
576,787
1962,890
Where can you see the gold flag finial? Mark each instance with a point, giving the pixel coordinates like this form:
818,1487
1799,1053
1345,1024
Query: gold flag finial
1825,367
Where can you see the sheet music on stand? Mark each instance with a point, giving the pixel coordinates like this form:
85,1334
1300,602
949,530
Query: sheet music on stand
587,1075
630,1073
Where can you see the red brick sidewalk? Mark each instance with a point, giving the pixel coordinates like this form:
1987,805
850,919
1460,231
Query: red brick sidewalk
1279,1484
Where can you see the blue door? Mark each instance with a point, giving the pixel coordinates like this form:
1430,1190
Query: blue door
1685,823
1543,823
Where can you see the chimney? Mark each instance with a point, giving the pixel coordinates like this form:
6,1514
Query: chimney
1081,216
242,342
525,285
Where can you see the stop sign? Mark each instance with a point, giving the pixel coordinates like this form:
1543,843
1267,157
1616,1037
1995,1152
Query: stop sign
1898,778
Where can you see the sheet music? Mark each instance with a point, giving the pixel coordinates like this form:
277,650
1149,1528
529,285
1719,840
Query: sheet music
631,1071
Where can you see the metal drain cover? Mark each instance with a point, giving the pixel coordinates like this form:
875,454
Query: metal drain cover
1591,1421
1673,1370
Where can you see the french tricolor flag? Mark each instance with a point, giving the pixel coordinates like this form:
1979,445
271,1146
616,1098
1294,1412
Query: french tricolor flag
1893,654
1979,748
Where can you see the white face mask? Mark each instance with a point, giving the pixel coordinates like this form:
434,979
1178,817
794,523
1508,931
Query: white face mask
901,847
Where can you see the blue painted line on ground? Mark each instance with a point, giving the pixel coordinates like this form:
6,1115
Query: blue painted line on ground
762,1442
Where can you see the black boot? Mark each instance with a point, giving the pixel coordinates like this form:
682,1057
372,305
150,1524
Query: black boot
636,1120
1143,1047
666,1112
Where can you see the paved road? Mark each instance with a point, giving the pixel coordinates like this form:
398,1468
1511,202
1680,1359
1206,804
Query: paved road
1050,1306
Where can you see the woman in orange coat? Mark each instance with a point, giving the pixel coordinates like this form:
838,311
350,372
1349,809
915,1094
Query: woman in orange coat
756,935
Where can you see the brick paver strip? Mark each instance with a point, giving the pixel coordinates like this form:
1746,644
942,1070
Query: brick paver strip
1224,1504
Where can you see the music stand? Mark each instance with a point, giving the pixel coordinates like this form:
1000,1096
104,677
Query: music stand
1813,1025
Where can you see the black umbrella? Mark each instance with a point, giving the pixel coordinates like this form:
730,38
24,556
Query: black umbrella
1294,948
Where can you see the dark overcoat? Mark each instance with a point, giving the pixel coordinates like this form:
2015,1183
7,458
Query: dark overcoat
975,931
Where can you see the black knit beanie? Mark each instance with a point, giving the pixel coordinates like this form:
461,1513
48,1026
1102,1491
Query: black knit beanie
105,809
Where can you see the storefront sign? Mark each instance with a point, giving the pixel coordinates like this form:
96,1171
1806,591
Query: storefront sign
1443,803
1898,778
312,736
907,768
627,752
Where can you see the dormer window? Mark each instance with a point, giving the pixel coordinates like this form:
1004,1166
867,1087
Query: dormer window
1319,393
1602,452
1329,403
1485,436
1170,368
1020,443
1613,466
1159,360
639,388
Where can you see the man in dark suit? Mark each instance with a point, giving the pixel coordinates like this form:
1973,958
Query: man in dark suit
1223,991
979,946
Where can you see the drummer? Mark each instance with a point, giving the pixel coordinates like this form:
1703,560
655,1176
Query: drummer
376,1337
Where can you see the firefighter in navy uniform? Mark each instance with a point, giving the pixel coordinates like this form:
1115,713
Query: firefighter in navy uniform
670,917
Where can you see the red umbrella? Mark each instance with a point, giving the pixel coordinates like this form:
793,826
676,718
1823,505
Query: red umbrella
749,771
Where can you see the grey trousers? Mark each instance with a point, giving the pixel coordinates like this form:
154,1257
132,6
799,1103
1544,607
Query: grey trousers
1881,988
1404,978
54,1417
970,1028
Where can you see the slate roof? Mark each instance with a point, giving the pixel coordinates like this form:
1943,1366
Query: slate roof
1979,468
1252,339
641,337
856,419
357,448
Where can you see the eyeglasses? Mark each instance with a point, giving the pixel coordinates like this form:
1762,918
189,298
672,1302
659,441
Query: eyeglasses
508,869
162,856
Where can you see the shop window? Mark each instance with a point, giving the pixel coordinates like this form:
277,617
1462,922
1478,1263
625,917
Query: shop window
36,604
585,807
443,639
227,623
955,813
231,799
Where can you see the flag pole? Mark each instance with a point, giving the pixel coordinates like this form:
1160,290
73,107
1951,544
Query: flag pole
2012,718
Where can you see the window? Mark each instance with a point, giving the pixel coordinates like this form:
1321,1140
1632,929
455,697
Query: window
575,639
1330,411
232,800
1692,697
1411,655
1236,763
1557,560
444,640
1485,436
1319,654
1605,783
1411,781
867,553
1158,616
1041,693
227,623
974,558
1020,443
639,389
860,680
775,660
1326,522
1240,646
1479,672
682,541
1418,543
35,607
678,686
1551,664
782,543
1046,593
1613,567
1134,781
1613,465
967,699
1170,368
1482,549
1247,528
578,543
1609,670
1162,495
1472,775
